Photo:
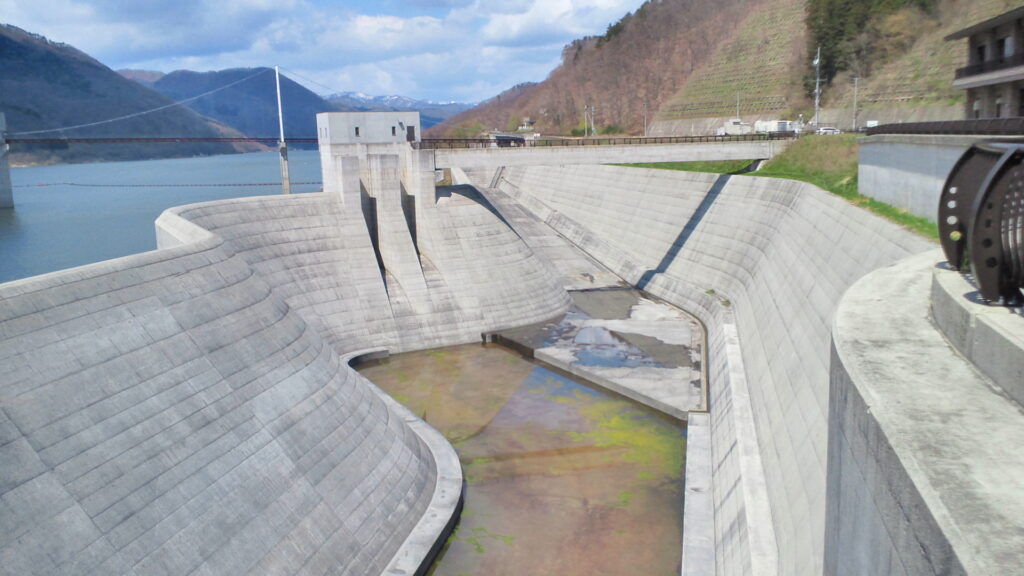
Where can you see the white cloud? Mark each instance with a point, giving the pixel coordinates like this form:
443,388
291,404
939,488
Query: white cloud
436,49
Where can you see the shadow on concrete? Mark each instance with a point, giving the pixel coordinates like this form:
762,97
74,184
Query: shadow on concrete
686,232
472,193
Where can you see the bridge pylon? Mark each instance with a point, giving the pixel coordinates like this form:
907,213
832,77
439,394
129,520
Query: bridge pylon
6,192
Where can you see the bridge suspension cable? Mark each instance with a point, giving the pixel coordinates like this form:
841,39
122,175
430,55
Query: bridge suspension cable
144,112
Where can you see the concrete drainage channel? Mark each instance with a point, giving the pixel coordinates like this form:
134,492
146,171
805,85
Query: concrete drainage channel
512,458
639,347
563,477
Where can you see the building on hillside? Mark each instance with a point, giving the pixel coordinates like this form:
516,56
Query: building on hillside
994,75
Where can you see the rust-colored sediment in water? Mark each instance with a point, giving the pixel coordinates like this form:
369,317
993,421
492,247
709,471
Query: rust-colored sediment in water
562,478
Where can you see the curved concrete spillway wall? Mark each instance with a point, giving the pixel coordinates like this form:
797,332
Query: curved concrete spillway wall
763,262
188,411
165,413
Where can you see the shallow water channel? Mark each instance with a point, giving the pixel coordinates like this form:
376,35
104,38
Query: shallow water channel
562,478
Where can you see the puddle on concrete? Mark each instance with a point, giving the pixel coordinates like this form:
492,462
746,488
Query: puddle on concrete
562,478
649,348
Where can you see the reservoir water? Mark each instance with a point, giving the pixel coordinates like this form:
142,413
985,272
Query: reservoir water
562,478
73,214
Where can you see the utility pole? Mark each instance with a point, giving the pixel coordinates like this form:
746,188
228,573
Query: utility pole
645,119
855,82
286,185
817,87
737,105
588,121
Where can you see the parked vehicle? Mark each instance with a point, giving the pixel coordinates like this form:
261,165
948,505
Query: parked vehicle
829,130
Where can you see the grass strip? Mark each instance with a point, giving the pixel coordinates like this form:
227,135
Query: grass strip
714,167
828,162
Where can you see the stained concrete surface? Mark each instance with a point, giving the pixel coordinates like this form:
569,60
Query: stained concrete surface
632,344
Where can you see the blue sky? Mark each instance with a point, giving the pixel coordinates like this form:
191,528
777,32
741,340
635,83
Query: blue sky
464,50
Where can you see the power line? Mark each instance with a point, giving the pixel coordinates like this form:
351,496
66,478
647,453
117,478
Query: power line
137,114
330,91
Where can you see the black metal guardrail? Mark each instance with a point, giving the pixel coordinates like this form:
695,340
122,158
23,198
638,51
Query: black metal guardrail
469,143
990,66
981,219
984,127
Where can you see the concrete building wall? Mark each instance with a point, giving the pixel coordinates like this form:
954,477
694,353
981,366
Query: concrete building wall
763,262
908,171
368,127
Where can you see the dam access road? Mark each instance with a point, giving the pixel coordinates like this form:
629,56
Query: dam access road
191,410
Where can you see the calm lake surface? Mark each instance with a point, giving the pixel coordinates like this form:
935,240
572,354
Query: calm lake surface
75,214
562,478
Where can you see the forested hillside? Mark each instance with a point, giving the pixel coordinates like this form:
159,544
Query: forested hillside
689,64
639,62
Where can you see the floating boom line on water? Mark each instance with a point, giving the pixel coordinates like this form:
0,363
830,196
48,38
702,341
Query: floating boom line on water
144,112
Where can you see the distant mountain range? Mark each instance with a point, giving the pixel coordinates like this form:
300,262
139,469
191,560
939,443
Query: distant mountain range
431,113
251,105
46,85
53,90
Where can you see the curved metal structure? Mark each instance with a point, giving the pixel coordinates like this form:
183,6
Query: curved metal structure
981,218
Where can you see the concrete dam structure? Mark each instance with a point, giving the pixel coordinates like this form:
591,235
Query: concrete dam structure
191,409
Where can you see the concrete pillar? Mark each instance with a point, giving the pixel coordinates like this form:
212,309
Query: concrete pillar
6,193
381,176
344,180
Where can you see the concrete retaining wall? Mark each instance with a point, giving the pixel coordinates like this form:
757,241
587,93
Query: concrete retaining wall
560,155
763,263
908,171
925,471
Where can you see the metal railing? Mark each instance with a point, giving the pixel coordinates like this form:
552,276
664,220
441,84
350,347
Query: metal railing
990,66
981,219
985,126
471,143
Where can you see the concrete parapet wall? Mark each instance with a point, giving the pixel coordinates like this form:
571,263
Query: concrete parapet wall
991,337
763,263
563,155
925,470
908,171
